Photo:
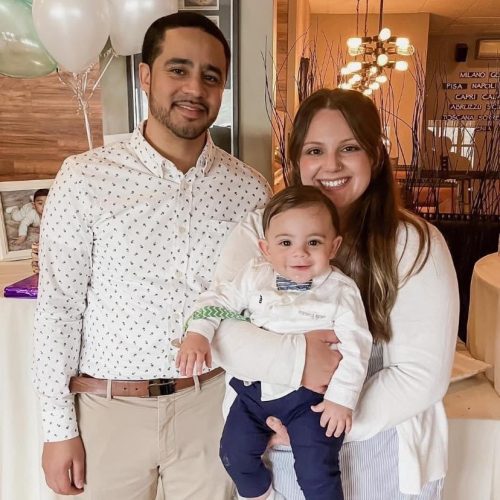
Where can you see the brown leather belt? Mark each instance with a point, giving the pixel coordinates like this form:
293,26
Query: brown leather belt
137,388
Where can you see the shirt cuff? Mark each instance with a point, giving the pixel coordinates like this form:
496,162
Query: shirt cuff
300,361
204,327
342,396
58,419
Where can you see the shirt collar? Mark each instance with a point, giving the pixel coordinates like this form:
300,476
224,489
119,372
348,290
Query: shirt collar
158,164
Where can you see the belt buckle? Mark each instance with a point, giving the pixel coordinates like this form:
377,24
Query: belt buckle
161,387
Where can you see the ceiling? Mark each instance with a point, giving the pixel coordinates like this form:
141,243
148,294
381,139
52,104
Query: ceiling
449,17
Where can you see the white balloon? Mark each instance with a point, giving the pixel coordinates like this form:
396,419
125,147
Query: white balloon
130,20
73,31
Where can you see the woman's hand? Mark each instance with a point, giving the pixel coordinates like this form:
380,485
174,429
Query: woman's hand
321,361
280,436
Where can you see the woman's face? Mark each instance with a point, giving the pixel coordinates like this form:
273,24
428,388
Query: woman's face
333,161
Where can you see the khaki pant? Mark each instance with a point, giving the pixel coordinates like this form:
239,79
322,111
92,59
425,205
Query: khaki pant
132,443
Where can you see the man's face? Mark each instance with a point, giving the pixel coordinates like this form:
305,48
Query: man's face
186,82
39,203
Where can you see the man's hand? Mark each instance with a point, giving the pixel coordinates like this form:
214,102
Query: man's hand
193,352
336,418
64,465
321,360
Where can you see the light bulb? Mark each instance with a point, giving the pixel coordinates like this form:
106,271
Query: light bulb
402,42
368,91
345,86
354,66
354,43
381,79
374,85
385,34
356,51
401,65
344,71
356,78
373,70
382,59
405,51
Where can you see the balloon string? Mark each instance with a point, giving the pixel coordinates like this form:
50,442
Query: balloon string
77,82
84,107
110,60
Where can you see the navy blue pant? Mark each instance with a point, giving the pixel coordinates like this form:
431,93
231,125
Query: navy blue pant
246,435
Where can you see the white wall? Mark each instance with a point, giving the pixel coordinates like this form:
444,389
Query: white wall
114,97
256,30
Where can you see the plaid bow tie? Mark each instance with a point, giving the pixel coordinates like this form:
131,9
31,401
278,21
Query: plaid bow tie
286,284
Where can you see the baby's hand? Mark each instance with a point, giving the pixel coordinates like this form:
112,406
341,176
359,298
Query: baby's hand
336,418
194,351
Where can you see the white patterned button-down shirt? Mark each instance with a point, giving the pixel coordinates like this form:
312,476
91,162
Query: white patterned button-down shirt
128,242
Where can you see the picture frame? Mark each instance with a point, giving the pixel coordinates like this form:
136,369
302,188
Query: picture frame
15,214
199,5
224,132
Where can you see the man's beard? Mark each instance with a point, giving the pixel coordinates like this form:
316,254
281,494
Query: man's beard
185,131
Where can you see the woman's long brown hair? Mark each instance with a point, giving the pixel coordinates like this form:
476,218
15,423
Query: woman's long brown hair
370,228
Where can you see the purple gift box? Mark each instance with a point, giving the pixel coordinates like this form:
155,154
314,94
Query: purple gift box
26,288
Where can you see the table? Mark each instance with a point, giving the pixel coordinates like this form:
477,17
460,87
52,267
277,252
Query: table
21,476
483,326
472,406
473,410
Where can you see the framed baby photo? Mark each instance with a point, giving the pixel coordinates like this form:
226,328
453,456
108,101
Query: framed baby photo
21,208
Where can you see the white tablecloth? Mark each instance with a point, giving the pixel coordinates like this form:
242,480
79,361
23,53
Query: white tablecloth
472,406
483,326
21,476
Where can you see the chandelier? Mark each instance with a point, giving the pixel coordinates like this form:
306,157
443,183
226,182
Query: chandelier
373,56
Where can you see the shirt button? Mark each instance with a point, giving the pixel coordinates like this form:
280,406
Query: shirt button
179,274
182,230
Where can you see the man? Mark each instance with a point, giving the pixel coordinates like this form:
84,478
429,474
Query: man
130,237
132,234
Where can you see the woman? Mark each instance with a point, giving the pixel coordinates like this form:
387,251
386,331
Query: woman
397,448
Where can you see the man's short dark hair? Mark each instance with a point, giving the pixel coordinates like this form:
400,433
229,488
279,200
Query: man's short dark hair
155,34
39,193
295,197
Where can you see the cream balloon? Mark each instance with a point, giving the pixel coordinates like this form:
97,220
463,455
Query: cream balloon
73,31
130,20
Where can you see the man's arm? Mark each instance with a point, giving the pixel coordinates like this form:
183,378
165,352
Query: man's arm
65,269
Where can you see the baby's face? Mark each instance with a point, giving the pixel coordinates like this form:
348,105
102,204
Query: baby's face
300,242
39,203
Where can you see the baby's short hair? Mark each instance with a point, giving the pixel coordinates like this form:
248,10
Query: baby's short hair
39,193
296,197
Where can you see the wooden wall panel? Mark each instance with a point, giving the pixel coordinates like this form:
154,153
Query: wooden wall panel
40,126
281,54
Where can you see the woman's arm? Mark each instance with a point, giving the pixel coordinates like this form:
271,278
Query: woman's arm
419,357
250,353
